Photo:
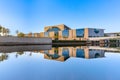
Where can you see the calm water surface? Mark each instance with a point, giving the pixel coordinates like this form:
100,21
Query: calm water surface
60,63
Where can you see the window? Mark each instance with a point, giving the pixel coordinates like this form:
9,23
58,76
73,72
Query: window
65,33
55,29
46,34
96,31
65,52
79,32
80,53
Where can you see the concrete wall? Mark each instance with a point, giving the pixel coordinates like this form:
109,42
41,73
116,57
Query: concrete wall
52,35
20,40
36,35
86,33
41,34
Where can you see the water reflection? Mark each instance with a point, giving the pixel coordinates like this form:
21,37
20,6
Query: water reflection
9,49
57,53
59,63
63,53
20,50
3,57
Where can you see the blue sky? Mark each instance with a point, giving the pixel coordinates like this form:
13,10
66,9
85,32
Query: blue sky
33,15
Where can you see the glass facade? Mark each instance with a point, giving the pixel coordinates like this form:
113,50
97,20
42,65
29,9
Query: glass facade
65,33
65,52
46,34
55,29
79,32
80,53
96,31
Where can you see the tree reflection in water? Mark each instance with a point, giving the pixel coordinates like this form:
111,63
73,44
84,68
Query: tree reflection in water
3,56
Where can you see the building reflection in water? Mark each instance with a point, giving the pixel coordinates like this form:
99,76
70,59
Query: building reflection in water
63,53
55,53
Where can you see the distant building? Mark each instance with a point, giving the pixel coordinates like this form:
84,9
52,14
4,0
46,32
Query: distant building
63,32
112,34
30,35
36,34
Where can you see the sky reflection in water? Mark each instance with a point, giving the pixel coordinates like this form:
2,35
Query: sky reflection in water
39,64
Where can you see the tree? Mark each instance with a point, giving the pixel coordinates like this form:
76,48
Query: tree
3,57
20,53
0,29
20,34
4,31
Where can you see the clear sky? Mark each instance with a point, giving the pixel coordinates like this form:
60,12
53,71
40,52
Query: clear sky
33,15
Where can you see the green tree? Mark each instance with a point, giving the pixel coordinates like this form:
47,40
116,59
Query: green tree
3,57
20,53
20,34
4,31
0,29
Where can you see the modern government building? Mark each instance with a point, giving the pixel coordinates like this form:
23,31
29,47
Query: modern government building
63,32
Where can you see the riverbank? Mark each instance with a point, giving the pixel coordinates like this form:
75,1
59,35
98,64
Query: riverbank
9,41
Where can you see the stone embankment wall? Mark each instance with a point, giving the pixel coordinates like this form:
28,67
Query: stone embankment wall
24,41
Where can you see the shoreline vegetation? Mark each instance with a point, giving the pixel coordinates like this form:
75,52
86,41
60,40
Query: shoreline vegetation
4,31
